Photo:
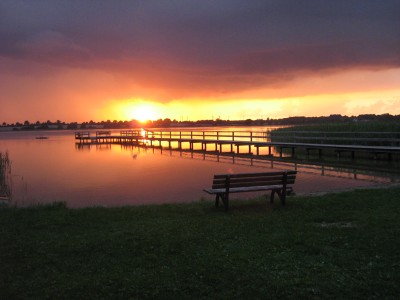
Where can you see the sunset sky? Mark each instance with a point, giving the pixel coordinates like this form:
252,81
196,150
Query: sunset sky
191,60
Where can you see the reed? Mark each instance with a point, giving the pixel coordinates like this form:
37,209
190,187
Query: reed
5,176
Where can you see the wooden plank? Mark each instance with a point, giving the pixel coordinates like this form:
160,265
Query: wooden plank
254,174
254,178
244,189
246,181
249,179
250,183
254,183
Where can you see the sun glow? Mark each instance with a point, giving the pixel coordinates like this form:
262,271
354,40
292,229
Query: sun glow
139,110
143,112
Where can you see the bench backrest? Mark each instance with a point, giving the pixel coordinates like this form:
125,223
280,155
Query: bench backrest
253,179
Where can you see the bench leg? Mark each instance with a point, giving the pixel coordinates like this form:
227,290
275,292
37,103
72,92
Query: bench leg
217,196
272,196
225,200
282,196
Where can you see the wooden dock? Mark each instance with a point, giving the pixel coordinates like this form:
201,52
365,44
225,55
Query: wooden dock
219,141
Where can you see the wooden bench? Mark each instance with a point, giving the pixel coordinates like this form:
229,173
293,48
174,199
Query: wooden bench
276,182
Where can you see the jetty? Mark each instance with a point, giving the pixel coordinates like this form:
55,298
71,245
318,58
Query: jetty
253,143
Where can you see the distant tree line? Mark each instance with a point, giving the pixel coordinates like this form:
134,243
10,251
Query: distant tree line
165,123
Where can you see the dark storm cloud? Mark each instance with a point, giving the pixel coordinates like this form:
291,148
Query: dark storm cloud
341,55
203,41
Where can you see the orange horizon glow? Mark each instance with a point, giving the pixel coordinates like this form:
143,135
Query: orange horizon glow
351,92
347,93
350,104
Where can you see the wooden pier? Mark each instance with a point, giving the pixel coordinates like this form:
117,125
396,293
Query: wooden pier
219,141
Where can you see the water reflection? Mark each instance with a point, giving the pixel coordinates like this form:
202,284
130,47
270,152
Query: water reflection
56,169
331,169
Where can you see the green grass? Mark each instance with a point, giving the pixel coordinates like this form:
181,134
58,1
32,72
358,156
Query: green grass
337,246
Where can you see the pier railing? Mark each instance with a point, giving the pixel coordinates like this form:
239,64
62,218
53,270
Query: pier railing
103,133
313,137
391,139
208,135
256,142
131,133
82,134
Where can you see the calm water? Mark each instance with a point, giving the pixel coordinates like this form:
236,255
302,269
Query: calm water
54,169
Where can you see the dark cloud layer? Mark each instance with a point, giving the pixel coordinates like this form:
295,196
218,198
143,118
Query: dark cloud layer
203,44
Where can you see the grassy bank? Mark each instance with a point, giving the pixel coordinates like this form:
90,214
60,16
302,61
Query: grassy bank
363,133
347,127
373,133
335,246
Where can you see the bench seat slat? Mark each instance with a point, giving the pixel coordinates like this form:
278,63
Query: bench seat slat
240,175
249,179
245,189
248,184
255,179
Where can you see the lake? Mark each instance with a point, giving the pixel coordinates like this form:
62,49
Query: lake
56,169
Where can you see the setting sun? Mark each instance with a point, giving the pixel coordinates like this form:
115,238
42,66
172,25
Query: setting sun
143,112
136,110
